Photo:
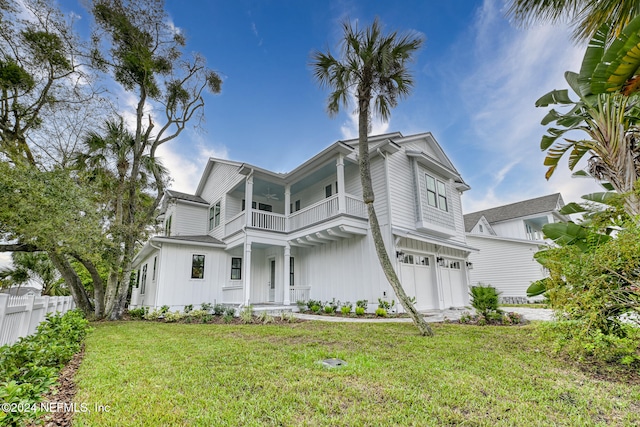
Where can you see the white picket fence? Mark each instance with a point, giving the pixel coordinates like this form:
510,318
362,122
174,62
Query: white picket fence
20,316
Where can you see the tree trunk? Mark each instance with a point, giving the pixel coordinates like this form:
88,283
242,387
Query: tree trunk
73,281
98,287
369,198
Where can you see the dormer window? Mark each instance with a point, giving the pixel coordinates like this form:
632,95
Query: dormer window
436,193
481,229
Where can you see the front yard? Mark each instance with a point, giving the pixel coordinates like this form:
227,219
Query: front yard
151,374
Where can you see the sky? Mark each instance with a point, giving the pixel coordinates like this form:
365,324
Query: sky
477,78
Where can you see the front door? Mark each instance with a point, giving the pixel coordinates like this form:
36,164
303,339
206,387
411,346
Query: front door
272,280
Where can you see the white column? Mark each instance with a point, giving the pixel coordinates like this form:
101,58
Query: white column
248,200
286,300
246,267
342,201
287,206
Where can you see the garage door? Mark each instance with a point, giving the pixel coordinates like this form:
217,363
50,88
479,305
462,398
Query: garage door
454,287
416,276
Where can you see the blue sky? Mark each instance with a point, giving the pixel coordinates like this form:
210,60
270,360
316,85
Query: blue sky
477,78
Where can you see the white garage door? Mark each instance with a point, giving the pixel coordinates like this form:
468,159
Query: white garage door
416,276
454,286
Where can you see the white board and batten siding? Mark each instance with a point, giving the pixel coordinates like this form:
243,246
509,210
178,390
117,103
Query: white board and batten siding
176,288
494,264
221,179
347,270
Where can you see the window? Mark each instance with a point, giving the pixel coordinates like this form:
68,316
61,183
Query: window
481,229
294,207
155,267
236,268
327,191
197,267
422,260
291,275
436,193
136,282
265,207
143,280
214,216
407,259
167,226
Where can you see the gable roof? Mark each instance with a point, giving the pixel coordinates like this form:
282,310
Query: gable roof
171,194
529,207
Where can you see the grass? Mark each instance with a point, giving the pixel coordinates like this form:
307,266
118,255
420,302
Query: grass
151,374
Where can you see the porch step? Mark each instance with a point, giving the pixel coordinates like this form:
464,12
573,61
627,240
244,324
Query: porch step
274,309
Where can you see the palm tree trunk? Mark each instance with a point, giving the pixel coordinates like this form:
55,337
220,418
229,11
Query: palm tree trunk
369,197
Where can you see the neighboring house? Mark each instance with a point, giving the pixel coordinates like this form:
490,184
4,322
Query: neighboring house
20,291
508,236
252,236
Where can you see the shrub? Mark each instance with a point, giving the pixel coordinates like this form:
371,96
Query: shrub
164,309
206,307
231,310
316,308
485,300
246,314
227,318
302,305
363,303
219,309
329,309
171,317
137,313
386,305
30,367
381,312
312,303
346,308
188,308
265,317
198,314
360,311
153,315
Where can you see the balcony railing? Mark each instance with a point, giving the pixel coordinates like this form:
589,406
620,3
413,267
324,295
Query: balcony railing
268,221
318,212
234,224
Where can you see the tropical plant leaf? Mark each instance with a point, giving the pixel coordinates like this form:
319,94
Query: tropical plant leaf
592,58
581,174
579,150
620,62
538,287
572,208
606,198
554,97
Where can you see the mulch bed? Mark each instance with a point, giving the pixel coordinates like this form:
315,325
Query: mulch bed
63,395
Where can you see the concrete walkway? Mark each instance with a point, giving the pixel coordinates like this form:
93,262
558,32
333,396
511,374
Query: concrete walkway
433,316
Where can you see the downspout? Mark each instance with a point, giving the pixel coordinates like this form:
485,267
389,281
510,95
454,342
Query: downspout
159,248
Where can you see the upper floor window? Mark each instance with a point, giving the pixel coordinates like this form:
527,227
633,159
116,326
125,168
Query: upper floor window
197,267
437,193
327,190
155,268
294,207
214,216
481,229
167,226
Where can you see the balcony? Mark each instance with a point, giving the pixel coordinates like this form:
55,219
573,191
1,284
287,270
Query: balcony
321,211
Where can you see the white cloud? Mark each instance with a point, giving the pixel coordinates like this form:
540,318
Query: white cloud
511,70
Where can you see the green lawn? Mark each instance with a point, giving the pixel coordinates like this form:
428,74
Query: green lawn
154,374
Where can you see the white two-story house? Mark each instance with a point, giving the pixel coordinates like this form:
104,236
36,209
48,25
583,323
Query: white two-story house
508,237
253,236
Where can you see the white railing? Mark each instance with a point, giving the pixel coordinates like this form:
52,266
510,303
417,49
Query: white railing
20,316
317,212
234,224
268,221
356,206
299,293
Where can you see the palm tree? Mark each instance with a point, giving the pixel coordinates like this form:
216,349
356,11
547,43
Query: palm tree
373,67
585,16
33,267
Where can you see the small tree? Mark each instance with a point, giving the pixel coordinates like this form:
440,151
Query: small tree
485,300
